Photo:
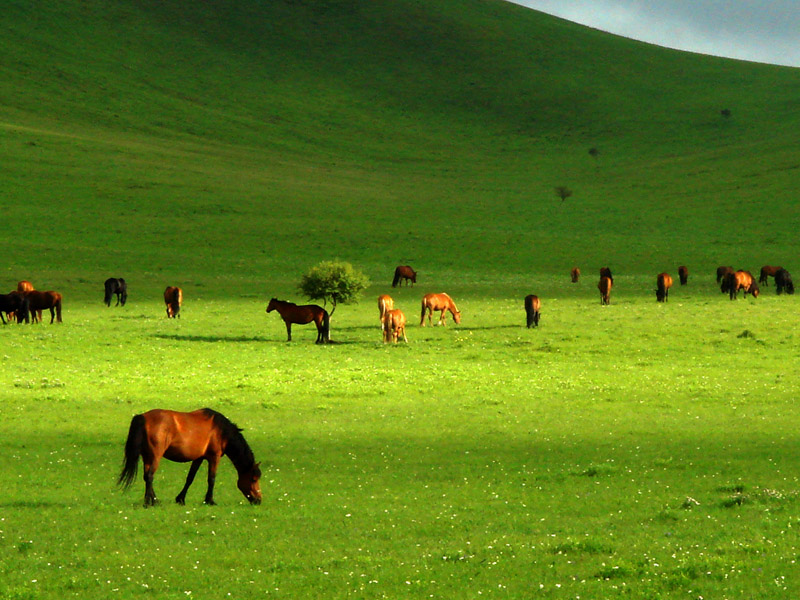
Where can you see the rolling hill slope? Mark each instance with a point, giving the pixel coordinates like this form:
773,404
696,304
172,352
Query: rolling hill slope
229,144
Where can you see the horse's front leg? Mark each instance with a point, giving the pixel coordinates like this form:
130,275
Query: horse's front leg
181,498
212,478
442,317
289,331
1,317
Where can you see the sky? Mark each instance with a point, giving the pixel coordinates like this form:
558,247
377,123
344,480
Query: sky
758,30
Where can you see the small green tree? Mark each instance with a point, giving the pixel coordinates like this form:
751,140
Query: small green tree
563,192
333,281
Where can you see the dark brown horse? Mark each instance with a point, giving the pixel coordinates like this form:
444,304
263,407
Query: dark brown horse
722,272
116,286
394,325
767,271
173,298
683,275
385,304
39,301
663,283
16,306
606,272
605,289
302,315
783,282
405,273
441,302
575,274
188,437
533,306
22,287
741,280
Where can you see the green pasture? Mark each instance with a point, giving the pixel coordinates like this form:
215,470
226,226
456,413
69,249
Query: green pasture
638,450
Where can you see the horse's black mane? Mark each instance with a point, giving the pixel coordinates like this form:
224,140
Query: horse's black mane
237,448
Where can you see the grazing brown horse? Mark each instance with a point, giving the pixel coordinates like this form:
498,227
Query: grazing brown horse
441,302
22,287
606,272
183,437
405,273
394,325
605,289
740,280
767,271
663,283
575,274
173,298
533,306
722,272
683,275
385,304
302,315
783,282
38,301
16,306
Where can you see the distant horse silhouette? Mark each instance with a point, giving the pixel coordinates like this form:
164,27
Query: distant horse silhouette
302,315
38,301
188,436
605,289
118,287
173,298
533,306
741,280
394,325
722,272
606,272
767,271
441,302
683,275
405,273
16,304
663,283
24,286
385,304
783,282
575,274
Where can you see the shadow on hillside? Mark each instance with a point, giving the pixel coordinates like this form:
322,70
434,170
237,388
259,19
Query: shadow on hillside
489,327
216,338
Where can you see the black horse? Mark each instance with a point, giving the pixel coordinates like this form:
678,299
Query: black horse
783,282
17,303
118,287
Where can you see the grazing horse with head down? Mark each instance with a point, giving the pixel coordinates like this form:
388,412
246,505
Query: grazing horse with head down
194,436
116,286
783,282
663,283
38,301
533,306
15,304
292,313
767,271
441,302
722,273
385,304
394,325
740,280
22,287
575,274
605,290
683,274
173,298
405,273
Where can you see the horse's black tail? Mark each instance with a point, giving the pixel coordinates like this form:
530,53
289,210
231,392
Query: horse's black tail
107,297
396,279
133,449
326,327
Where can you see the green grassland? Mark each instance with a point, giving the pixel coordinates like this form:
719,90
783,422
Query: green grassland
636,450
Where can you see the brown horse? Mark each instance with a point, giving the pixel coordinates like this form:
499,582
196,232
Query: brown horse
24,286
302,315
183,437
405,273
722,272
38,301
385,304
575,274
533,306
605,289
173,298
683,275
766,272
663,283
741,280
441,302
16,307
606,272
394,325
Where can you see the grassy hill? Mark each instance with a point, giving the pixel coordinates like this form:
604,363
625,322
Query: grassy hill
232,143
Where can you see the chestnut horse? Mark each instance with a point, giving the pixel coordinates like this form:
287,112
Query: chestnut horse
683,274
118,287
302,315
385,304
38,301
722,272
740,280
183,437
605,289
24,286
441,302
663,283
173,298
783,282
532,307
575,274
394,325
766,272
405,273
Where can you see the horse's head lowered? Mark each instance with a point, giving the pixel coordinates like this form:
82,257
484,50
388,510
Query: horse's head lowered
457,317
248,484
272,305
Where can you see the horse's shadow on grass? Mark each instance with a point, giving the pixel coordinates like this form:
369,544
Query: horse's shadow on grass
215,338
